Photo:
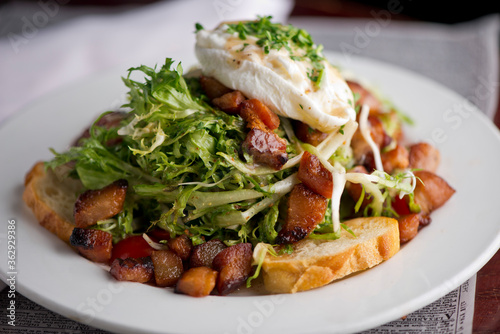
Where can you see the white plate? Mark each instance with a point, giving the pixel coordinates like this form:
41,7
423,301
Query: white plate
463,236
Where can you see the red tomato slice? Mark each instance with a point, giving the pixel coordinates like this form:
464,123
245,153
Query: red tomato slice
134,246
400,206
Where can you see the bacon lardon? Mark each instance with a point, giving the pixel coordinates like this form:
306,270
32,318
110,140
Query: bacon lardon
132,270
95,245
99,204
306,210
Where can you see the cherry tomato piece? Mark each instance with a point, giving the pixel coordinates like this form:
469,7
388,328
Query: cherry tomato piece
134,247
400,206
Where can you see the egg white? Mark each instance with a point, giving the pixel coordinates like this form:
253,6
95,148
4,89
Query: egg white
275,79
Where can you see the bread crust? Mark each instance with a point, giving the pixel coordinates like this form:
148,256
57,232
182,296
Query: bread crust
51,200
315,263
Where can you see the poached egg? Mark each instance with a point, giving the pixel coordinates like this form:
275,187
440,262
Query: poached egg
280,81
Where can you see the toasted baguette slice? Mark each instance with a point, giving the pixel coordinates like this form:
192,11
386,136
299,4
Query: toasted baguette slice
315,263
51,199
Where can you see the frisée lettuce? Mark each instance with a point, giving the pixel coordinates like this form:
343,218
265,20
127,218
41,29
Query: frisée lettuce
177,153
187,173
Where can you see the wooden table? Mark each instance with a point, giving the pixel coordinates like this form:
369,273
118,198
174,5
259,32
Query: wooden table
487,301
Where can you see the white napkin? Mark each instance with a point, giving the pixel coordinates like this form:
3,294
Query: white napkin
37,56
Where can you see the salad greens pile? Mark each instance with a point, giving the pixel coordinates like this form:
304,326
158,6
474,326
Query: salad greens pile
187,173
182,159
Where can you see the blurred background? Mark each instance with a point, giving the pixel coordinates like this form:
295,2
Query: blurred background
11,11
433,11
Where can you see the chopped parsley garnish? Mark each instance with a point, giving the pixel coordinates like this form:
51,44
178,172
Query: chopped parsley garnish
275,36
198,27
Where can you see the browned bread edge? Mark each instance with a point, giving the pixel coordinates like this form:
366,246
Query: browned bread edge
35,196
315,263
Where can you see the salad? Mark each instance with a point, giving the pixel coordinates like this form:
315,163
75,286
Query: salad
201,175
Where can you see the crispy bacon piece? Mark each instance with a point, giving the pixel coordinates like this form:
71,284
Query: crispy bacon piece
108,121
132,270
234,265
396,158
261,142
307,134
197,282
432,192
408,226
229,102
95,245
358,169
315,176
94,205
424,156
203,254
360,147
266,147
168,267
377,131
254,106
424,220
365,97
212,87
306,210
181,246
253,120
